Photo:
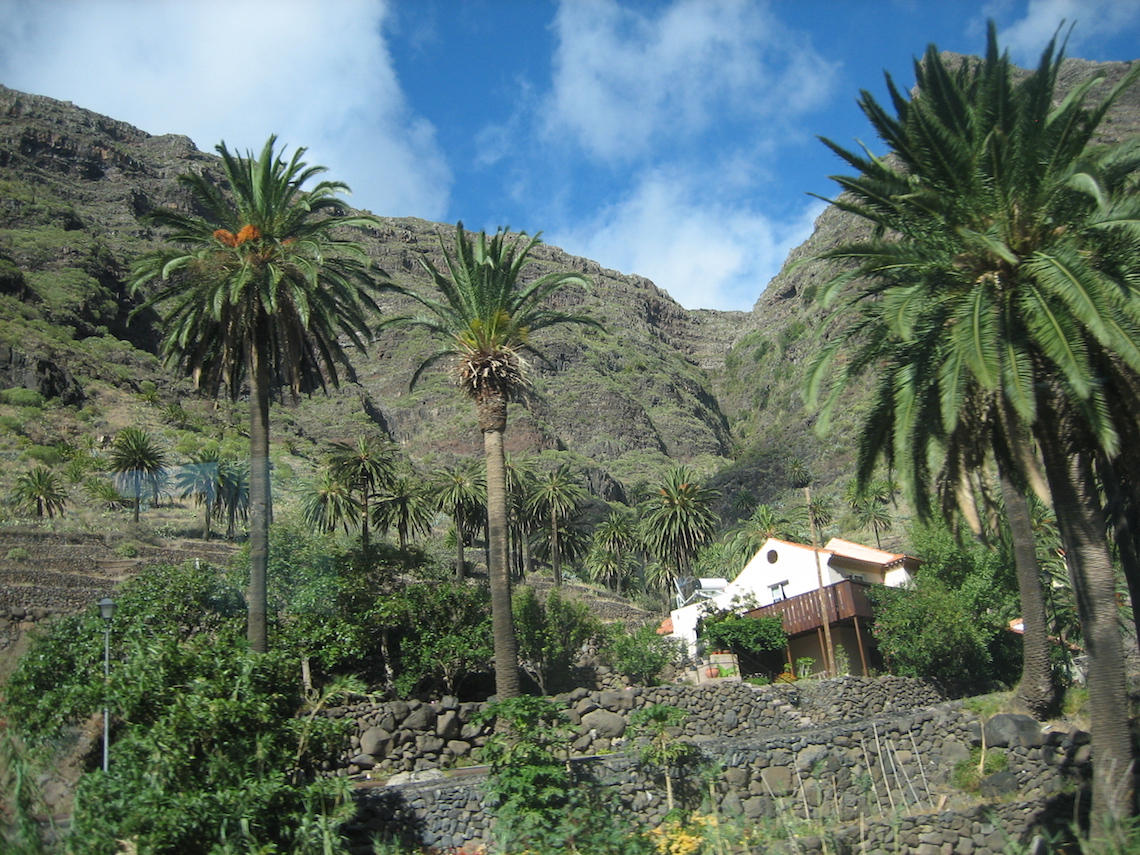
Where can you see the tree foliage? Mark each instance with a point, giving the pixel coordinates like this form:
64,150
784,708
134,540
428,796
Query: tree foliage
207,747
551,635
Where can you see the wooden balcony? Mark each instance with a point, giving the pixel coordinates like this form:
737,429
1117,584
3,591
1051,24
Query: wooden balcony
841,601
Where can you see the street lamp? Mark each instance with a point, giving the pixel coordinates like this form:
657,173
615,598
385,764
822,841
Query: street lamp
107,610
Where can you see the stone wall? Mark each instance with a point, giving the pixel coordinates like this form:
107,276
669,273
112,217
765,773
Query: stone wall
413,736
880,783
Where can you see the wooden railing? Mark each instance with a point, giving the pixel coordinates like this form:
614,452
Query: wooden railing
842,600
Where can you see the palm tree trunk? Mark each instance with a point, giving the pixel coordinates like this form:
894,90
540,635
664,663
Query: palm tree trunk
257,630
555,552
366,488
1080,519
492,413
1037,689
460,558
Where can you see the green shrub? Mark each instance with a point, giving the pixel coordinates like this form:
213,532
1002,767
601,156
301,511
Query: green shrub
550,636
236,761
726,630
640,655
968,774
19,397
18,553
539,804
49,455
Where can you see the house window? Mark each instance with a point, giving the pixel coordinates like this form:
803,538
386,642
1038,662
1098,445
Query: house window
778,591
772,556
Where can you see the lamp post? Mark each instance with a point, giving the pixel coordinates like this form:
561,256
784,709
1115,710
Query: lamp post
107,610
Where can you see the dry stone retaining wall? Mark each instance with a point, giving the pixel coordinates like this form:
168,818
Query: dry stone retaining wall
412,736
879,784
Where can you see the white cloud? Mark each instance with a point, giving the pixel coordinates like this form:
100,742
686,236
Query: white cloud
625,81
1094,20
705,253
316,73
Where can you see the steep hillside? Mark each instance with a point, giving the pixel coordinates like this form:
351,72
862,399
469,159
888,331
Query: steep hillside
624,401
659,384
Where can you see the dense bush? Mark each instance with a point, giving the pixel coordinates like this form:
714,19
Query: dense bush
952,625
211,743
540,802
551,636
640,655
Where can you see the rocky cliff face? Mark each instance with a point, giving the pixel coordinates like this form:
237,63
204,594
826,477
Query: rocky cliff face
660,384
624,401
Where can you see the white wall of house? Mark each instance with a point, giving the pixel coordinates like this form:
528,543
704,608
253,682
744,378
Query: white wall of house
781,569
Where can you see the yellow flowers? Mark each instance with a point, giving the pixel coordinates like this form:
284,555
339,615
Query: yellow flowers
674,837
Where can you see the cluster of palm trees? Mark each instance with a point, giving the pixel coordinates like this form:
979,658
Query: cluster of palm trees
997,301
135,470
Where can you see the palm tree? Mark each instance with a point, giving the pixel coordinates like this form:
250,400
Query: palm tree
996,280
679,520
329,502
404,503
233,494
765,522
258,289
41,491
611,560
801,477
364,467
556,498
138,464
199,479
522,519
868,502
484,321
461,493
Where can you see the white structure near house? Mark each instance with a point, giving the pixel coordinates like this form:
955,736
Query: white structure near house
783,578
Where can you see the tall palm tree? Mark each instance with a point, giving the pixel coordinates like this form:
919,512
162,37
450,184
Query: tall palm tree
138,464
259,289
994,281
679,520
557,497
484,318
461,493
364,467
41,491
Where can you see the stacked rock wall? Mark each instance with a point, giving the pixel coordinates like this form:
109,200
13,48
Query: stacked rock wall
878,785
413,736
878,782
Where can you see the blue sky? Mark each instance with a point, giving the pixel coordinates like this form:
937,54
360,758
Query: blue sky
674,139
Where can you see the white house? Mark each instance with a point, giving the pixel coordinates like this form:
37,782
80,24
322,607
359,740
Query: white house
781,576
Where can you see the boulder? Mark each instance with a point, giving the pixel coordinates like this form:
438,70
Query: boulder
1011,730
606,724
375,741
421,718
447,725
